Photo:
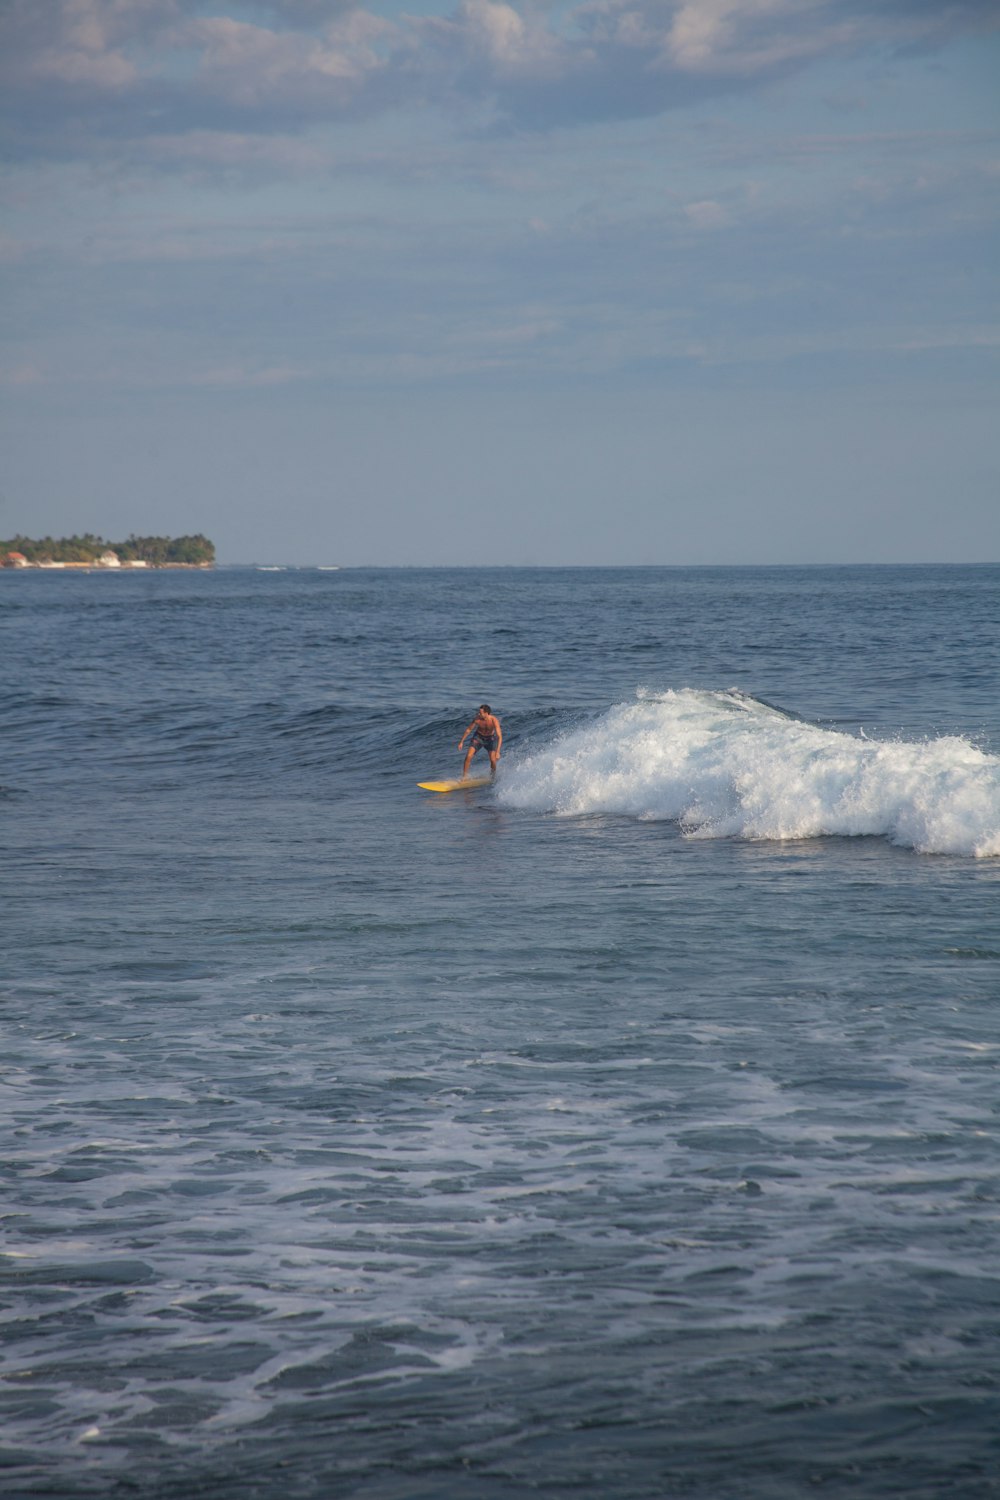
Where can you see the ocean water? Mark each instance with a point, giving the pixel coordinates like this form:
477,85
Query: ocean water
626,1129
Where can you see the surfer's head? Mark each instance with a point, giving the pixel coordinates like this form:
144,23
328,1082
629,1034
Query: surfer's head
484,708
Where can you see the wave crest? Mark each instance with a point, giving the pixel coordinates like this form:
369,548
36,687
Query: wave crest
723,765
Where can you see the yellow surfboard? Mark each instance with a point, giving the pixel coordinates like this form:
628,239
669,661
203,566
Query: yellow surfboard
458,785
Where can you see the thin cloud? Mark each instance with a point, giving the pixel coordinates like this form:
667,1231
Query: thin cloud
238,155
707,214
247,377
23,374
13,250
120,69
250,64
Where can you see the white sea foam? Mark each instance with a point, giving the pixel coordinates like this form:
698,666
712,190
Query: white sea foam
726,766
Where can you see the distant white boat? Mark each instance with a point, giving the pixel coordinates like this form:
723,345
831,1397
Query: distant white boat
270,569
328,567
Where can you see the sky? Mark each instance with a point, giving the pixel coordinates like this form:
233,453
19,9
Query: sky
612,282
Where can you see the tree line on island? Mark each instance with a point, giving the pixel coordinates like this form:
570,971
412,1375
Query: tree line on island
155,551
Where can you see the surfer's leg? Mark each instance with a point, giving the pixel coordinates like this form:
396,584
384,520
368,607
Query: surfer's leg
468,759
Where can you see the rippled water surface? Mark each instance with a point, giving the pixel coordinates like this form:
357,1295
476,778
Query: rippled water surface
627,1129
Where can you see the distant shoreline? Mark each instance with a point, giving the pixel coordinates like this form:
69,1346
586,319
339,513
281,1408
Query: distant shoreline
94,553
100,567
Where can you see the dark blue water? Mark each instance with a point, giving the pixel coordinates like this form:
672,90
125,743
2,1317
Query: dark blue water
626,1129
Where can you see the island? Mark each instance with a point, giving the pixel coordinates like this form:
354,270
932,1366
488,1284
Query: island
91,551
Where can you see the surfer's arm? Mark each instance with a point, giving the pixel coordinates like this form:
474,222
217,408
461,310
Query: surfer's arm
466,734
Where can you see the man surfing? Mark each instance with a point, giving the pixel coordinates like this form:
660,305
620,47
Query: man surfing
486,735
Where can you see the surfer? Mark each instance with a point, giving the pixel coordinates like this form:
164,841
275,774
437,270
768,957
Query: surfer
486,735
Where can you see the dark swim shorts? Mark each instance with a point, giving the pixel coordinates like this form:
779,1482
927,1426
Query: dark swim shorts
484,742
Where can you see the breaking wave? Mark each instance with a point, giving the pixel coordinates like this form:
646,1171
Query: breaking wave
724,765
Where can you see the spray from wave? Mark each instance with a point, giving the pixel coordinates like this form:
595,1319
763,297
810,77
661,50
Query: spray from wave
724,765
